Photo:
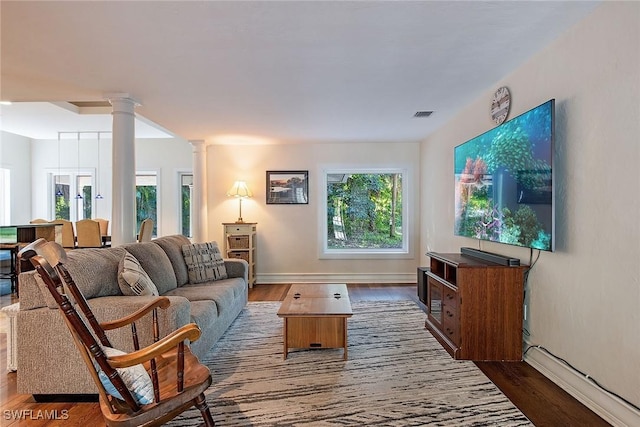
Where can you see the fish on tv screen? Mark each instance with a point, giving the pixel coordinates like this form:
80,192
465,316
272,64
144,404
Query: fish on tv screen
504,190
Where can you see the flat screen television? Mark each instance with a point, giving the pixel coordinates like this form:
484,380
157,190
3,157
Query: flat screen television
504,187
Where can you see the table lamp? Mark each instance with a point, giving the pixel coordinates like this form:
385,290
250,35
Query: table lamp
241,191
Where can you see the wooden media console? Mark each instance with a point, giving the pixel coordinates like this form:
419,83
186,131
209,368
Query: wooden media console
475,307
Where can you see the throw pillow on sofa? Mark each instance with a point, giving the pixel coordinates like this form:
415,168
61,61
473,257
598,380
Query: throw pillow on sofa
132,278
204,262
136,378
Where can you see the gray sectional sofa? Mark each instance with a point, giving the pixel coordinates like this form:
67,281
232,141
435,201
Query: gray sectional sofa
48,361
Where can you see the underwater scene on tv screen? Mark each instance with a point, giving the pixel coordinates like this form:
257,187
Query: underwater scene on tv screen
503,182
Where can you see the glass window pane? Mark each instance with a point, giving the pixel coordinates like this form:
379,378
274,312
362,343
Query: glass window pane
84,202
186,186
146,200
364,211
62,204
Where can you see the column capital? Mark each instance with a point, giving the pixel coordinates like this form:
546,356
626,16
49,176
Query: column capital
121,97
198,143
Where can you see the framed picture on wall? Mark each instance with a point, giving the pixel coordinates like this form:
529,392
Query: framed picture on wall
287,187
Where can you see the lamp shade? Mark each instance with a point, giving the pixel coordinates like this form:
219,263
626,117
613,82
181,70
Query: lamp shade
239,189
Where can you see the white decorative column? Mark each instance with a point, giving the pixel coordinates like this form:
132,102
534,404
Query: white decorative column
199,195
123,210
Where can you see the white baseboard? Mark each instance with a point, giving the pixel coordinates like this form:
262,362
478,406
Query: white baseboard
610,408
408,278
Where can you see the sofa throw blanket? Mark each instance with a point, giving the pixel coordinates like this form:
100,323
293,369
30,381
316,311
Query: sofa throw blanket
204,262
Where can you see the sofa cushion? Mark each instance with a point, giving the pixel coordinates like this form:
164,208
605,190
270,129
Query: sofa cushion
204,262
132,278
156,263
172,246
203,313
95,271
48,298
223,295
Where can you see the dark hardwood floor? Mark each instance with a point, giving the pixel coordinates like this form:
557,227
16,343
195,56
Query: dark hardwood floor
544,403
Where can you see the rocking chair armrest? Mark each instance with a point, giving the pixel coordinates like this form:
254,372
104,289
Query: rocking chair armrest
162,302
190,332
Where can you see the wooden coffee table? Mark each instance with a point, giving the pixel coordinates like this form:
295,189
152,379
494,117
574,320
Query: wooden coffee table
315,316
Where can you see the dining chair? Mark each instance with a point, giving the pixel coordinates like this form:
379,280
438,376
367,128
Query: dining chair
104,226
146,229
147,387
38,221
68,233
88,234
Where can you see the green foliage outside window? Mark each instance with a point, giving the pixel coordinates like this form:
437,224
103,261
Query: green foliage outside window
365,212
146,206
86,201
186,211
62,201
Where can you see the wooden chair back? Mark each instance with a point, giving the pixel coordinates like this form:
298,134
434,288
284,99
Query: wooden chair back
38,221
104,226
146,230
68,233
88,234
179,379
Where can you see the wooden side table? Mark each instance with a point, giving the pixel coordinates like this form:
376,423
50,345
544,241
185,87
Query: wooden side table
240,243
11,311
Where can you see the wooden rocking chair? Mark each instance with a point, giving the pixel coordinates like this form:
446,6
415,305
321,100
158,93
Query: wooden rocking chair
177,379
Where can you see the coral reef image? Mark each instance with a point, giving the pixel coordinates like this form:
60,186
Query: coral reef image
504,182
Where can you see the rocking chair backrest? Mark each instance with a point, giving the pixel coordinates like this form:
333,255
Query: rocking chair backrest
178,373
48,258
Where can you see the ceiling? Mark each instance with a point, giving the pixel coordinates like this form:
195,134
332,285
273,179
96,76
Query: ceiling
44,120
265,71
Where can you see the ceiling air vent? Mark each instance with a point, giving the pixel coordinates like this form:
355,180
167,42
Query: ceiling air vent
423,113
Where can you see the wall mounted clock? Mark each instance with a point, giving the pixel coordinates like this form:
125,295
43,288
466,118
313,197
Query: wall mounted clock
500,105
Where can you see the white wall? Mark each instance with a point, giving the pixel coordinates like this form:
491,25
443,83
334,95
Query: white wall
166,157
15,155
583,299
288,235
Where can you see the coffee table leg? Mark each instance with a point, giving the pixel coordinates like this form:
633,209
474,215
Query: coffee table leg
285,338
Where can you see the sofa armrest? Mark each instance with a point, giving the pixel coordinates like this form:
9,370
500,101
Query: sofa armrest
237,268
31,296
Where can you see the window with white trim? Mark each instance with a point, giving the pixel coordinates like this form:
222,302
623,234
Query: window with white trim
186,193
147,199
364,213
72,195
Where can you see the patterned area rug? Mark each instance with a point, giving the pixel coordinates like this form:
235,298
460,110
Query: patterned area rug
397,375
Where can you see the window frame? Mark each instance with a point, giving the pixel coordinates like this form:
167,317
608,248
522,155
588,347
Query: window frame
157,221
75,206
324,252
181,174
